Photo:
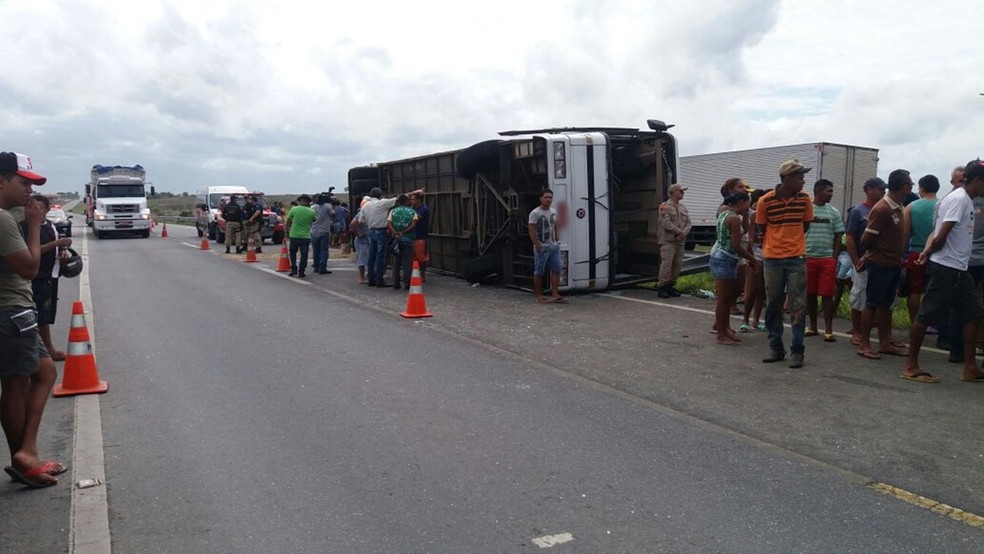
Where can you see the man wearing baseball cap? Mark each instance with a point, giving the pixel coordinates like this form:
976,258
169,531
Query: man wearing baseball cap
784,214
27,373
674,226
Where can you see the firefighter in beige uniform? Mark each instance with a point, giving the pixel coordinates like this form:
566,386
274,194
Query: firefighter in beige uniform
674,226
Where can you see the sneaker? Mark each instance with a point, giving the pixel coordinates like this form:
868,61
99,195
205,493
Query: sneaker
796,360
227,250
258,250
292,273
775,356
663,293
301,275
674,293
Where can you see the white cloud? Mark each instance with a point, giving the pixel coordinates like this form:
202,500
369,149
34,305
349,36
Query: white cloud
289,95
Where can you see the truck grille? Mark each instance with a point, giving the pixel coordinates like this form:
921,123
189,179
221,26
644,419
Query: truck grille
122,209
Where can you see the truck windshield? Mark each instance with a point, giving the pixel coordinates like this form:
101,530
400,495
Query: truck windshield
120,191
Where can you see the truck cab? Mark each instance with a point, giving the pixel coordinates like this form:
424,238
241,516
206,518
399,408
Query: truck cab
116,201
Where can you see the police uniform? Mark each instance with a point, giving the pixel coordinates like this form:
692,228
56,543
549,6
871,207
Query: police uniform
251,226
673,220
232,213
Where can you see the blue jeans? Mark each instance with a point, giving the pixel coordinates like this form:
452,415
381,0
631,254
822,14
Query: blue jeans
377,255
319,246
785,277
302,246
403,263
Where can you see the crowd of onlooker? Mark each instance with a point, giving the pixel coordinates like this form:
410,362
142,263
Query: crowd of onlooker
381,229
789,253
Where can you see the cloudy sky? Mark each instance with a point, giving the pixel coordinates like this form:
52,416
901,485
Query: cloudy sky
286,96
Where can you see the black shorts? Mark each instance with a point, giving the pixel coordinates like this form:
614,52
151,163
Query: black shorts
949,290
46,299
883,282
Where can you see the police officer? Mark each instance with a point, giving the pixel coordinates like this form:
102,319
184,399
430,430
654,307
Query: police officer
674,226
232,214
252,219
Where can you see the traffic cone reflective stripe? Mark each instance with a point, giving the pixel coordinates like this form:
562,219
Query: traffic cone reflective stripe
250,252
284,266
416,306
80,375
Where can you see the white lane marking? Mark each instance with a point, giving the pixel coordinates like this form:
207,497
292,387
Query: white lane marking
283,275
89,519
711,313
547,541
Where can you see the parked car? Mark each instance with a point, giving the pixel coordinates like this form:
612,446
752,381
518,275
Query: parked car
271,224
61,221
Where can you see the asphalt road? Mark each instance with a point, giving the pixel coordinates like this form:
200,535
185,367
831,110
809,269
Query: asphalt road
252,413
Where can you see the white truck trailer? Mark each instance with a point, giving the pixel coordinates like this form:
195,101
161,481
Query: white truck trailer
116,200
846,166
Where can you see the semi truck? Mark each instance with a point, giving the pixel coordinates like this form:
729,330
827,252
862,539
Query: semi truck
608,183
848,167
116,200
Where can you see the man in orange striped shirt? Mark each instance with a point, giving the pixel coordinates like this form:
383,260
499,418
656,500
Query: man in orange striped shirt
785,214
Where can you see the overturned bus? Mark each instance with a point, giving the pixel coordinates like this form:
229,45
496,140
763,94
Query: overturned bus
608,184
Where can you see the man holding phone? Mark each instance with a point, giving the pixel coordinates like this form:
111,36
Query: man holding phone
27,372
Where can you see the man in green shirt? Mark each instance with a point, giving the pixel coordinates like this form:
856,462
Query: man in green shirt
400,223
299,220
823,244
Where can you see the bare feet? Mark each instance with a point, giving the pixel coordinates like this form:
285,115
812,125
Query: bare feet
972,375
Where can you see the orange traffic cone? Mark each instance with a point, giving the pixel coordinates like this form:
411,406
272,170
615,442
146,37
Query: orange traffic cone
205,245
416,307
80,375
250,252
284,266
164,231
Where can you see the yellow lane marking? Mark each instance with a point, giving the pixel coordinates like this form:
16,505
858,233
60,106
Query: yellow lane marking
962,516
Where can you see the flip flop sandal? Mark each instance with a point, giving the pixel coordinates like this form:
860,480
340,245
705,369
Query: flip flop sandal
829,337
743,328
761,327
921,377
902,353
25,477
978,379
869,354
810,333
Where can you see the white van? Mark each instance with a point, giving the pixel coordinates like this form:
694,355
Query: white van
207,207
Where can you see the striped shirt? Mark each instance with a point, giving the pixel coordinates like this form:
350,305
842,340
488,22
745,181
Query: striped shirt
826,225
783,221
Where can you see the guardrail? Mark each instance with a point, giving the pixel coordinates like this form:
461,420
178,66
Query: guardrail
174,219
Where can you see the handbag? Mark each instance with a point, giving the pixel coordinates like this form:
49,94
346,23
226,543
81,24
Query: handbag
71,266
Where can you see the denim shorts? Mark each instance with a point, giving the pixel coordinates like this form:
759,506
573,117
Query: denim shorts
845,268
548,256
724,265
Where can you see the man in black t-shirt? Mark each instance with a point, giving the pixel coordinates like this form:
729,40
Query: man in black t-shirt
252,218
45,286
232,214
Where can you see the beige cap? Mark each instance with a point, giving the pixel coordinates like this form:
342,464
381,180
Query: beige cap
789,167
676,186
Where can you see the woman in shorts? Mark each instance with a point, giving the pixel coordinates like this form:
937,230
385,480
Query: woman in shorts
724,263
